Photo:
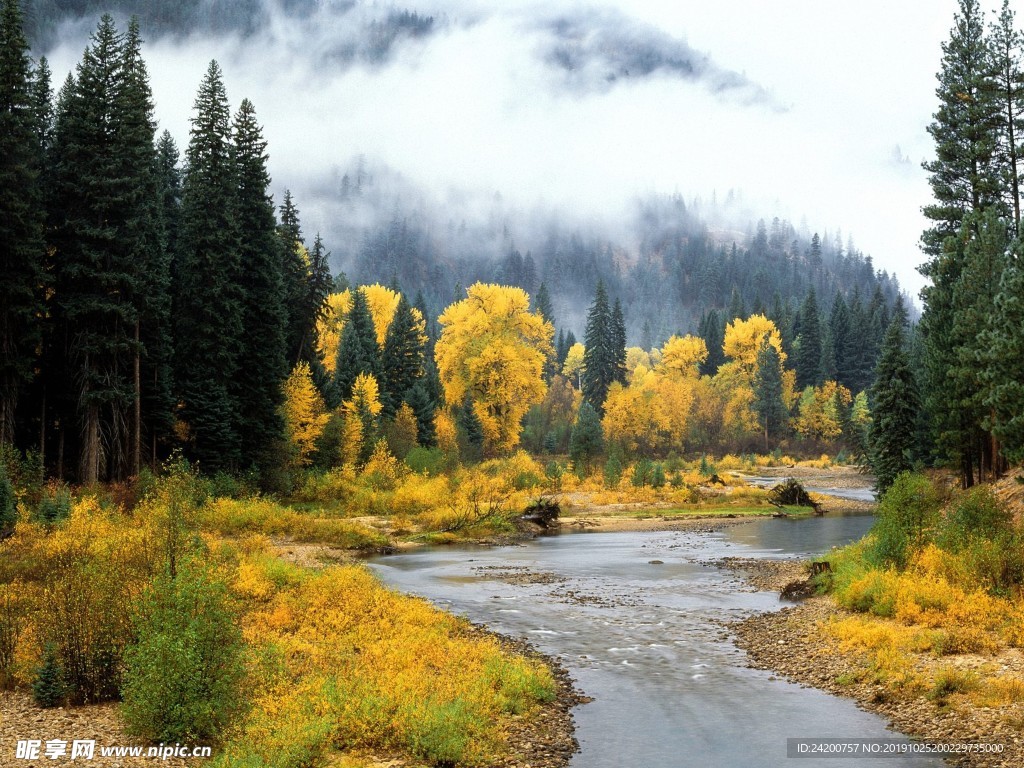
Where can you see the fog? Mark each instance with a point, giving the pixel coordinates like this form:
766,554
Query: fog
581,109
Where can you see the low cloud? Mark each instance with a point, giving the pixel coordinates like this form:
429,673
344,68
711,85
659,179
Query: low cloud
581,109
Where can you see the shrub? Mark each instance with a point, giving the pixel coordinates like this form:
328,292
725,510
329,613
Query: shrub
11,626
55,505
8,502
427,461
48,688
613,469
642,472
181,680
907,514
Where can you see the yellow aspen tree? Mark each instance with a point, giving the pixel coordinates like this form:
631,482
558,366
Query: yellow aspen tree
493,349
635,357
304,413
743,339
329,327
382,303
683,355
364,406
573,367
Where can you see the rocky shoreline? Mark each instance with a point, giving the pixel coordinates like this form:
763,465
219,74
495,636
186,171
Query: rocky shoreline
792,643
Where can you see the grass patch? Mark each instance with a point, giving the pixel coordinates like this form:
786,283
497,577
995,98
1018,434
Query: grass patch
230,517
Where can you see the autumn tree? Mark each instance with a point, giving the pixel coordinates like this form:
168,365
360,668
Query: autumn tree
492,350
303,413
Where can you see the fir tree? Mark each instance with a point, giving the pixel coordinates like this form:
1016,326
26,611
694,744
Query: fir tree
894,401
808,356
839,335
586,441
209,305
618,343
1003,361
262,352
401,358
296,275
21,218
768,402
600,361
423,407
357,351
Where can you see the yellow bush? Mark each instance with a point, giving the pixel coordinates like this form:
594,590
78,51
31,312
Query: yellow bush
232,517
368,668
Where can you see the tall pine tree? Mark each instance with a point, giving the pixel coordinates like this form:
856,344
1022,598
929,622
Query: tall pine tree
209,306
894,407
21,218
599,357
261,356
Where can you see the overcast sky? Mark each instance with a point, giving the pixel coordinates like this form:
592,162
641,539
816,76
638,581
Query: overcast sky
800,104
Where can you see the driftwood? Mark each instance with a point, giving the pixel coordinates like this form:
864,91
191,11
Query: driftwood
791,493
543,512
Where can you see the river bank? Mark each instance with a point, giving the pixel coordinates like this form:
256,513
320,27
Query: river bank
793,643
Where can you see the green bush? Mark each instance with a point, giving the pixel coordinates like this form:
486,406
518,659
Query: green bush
907,515
613,469
182,677
48,688
55,505
658,476
643,471
427,461
976,514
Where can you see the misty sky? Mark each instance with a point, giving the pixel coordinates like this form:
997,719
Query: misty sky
800,104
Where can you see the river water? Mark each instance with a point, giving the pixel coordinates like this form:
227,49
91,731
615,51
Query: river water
645,640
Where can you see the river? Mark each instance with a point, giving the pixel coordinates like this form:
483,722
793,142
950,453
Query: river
645,640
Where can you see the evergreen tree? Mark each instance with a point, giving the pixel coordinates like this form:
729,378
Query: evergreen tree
262,353
296,276
808,354
145,234
768,402
109,262
895,403
618,343
423,405
839,335
586,441
600,360
21,218
712,330
1006,43
542,303
1003,361
209,306
401,358
357,350
965,180
471,431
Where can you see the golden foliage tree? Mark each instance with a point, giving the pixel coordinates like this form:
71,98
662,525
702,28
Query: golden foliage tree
821,408
304,413
382,303
743,339
329,327
493,349
683,355
573,366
